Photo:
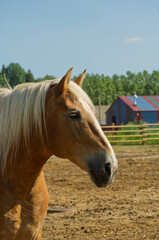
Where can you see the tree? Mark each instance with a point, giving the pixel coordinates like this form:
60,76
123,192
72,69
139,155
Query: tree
15,74
29,76
47,77
155,81
2,82
3,69
2,73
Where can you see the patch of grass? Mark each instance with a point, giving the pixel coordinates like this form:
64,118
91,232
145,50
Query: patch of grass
132,134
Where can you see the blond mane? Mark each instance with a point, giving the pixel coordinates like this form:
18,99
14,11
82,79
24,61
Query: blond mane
22,111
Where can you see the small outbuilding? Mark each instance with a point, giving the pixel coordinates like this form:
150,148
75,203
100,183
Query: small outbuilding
133,109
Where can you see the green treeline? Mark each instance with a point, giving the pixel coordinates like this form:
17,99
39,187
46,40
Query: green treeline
109,88
15,75
95,85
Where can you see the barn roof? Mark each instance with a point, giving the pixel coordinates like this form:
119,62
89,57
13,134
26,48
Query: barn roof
143,103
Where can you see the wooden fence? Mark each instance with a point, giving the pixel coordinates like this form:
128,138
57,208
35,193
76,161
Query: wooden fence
132,133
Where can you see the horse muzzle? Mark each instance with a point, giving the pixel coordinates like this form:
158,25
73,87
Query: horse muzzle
102,169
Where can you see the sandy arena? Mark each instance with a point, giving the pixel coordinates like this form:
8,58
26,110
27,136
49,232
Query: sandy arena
128,209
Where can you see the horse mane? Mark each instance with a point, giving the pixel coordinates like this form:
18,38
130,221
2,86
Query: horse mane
22,111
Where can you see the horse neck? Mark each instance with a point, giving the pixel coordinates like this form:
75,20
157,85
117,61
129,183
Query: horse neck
26,168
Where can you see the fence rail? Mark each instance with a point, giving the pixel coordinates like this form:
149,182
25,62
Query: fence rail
132,133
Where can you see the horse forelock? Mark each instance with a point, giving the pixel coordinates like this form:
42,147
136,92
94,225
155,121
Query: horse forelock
22,111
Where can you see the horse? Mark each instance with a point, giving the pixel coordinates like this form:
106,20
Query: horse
38,120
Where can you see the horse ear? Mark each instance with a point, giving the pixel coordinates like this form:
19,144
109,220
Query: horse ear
79,80
64,82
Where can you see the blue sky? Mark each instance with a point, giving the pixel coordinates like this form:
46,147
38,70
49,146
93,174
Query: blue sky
104,36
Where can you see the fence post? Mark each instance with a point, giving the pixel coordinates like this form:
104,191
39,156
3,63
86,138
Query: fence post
143,133
113,133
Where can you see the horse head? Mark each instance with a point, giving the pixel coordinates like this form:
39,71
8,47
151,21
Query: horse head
73,131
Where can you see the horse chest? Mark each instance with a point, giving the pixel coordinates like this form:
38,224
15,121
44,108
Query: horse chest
10,222
25,219
21,222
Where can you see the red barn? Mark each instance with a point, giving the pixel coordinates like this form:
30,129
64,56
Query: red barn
133,109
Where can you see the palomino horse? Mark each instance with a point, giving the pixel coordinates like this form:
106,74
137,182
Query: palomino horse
38,120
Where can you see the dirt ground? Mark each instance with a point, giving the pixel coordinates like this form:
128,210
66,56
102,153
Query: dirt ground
126,209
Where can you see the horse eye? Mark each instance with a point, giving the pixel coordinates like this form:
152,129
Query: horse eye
75,114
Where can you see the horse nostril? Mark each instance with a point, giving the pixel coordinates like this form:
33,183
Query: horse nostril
108,168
